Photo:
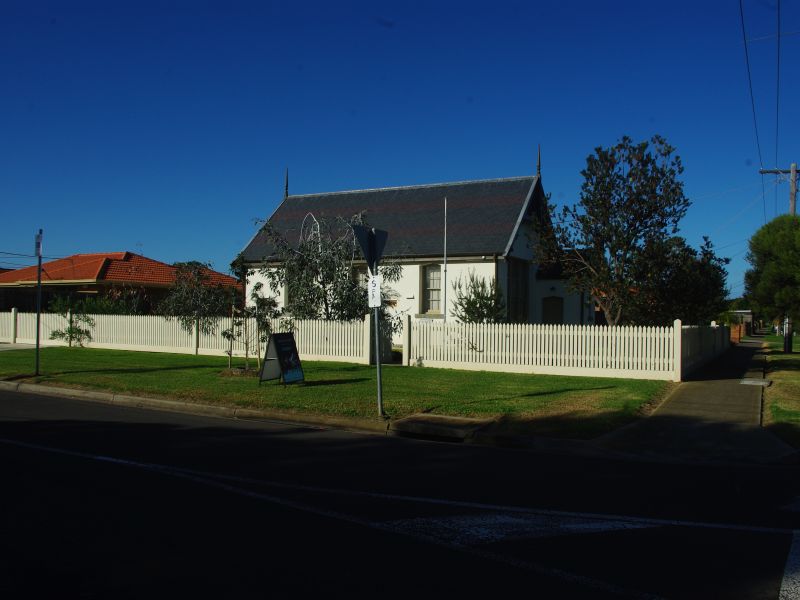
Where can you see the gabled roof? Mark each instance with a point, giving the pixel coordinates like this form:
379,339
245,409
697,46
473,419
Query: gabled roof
106,267
482,216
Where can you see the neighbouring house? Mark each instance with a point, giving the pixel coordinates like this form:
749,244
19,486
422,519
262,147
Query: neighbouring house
490,232
104,273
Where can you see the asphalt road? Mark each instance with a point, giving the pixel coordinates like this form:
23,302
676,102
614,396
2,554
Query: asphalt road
100,501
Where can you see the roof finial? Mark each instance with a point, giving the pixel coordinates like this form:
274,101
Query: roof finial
286,185
539,160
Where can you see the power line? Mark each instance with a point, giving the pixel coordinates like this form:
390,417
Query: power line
770,36
777,94
2,252
753,107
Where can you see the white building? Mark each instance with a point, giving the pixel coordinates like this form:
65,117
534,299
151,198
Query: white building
490,231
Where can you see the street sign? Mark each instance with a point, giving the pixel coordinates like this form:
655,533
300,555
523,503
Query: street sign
374,291
281,359
373,243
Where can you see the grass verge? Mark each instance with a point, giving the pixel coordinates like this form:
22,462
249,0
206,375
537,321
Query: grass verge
782,398
569,407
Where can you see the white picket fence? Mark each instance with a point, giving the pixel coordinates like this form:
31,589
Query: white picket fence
316,340
666,353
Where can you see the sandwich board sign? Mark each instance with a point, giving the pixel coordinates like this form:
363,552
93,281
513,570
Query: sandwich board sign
281,360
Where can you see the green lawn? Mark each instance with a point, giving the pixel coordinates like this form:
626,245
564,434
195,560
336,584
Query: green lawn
559,406
782,398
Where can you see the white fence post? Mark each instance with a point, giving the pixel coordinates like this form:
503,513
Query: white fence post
366,349
406,340
14,321
677,350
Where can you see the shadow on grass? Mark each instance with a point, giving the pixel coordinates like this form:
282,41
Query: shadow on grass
566,391
783,364
121,371
518,397
321,382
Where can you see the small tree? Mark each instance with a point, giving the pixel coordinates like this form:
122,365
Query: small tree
78,322
262,309
630,198
192,300
478,301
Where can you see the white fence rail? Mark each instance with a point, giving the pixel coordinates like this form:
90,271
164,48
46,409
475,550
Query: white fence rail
667,353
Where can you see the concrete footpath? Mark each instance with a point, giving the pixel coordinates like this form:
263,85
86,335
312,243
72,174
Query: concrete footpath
714,417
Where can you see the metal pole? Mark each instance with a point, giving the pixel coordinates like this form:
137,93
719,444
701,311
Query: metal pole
793,189
38,296
378,361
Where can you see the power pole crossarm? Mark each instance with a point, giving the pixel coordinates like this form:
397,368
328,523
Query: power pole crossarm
792,173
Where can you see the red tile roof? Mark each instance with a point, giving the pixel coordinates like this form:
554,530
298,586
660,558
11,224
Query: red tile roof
107,267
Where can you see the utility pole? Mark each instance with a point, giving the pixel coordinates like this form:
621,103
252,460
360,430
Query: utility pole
792,172
38,295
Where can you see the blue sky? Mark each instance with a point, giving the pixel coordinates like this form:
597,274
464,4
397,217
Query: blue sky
165,128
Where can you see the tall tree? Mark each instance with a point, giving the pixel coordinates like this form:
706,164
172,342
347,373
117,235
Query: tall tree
773,281
630,198
193,300
675,281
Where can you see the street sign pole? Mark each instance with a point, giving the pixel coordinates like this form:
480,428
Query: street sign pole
378,361
372,242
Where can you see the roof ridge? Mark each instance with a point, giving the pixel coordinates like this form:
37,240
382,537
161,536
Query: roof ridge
417,186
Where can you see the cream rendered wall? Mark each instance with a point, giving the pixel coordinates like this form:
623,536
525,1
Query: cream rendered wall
407,292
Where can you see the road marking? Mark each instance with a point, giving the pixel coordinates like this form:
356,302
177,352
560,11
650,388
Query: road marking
188,475
497,527
790,586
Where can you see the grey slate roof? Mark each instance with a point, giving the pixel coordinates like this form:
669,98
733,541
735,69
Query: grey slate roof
482,216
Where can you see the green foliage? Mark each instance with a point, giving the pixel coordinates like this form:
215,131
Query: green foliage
77,330
674,281
478,301
631,198
773,281
192,299
124,300
318,273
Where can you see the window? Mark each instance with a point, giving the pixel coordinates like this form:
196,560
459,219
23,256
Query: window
432,289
